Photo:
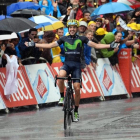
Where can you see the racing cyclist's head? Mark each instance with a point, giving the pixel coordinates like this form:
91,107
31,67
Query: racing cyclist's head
73,25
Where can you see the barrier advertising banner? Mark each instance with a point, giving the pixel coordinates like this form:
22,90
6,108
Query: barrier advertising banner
125,66
24,95
90,83
42,81
2,104
110,79
135,79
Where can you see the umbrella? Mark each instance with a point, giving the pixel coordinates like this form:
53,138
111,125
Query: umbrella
21,5
16,24
8,36
132,3
27,13
111,7
5,32
3,17
124,1
47,22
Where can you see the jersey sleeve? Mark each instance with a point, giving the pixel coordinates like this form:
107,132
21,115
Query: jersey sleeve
84,39
60,41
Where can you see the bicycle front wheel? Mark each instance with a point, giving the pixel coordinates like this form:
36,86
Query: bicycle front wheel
67,111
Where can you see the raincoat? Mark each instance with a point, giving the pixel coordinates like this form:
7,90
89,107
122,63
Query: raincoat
56,54
49,9
11,85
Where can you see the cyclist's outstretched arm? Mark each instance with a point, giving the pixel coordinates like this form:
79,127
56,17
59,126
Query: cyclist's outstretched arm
44,45
98,46
103,46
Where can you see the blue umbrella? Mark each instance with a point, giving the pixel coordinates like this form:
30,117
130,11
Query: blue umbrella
21,5
111,8
3,17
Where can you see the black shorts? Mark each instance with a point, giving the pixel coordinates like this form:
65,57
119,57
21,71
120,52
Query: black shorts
73,68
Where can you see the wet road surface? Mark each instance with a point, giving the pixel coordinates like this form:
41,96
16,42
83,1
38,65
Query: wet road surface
108,120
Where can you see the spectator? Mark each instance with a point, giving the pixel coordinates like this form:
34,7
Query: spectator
48,37
56,51
101,2
50,8
89,6
62,7
92,26
79,13
87,49
16,44
27,52
89,52
86,15
9,50
98,22
108,22
98,36
82,28
110,53
136,16
120,29
60,32
116,20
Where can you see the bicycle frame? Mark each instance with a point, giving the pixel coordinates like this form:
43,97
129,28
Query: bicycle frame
69,100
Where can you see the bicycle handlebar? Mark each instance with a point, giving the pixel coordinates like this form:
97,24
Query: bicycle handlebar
68,78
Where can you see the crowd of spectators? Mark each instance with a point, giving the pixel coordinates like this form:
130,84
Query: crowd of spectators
102,29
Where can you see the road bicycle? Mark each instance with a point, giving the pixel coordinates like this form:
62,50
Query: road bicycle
69,103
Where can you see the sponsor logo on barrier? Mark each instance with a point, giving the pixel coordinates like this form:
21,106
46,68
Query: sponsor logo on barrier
41,77
106,80
123,53
41,88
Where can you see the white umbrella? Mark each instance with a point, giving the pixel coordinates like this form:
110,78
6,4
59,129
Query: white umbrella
125,2
8,36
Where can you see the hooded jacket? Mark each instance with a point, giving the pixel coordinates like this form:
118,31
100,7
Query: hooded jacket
108,38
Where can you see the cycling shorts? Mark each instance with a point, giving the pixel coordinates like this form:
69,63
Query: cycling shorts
73,68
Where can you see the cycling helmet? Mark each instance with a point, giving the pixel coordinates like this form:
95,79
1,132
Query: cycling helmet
73,22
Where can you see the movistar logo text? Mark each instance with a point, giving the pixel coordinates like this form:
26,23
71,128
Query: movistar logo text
74,46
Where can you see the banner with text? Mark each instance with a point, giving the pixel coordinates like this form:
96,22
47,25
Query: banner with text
24,96
110,79
135,76
41,77
125,66
2,104
90,83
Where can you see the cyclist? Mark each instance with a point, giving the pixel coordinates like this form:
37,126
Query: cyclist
73,46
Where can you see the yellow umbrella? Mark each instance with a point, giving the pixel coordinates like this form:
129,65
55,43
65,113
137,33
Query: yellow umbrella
47,22
54,26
